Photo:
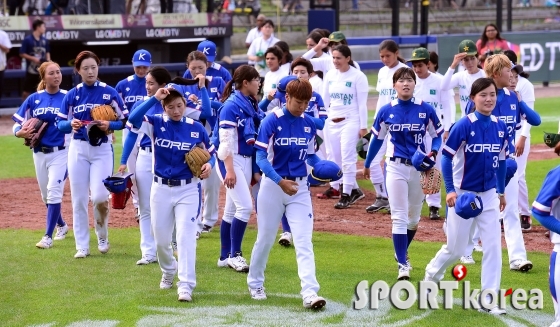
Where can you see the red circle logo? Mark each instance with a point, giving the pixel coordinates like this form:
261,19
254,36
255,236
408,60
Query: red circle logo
459,272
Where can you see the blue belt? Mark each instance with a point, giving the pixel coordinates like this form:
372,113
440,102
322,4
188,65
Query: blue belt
46,150
172,182
405,161
75,137
295,179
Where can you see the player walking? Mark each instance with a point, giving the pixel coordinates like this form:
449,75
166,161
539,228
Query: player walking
208,48
234,138
467,169
157,78
89,164
345,91
175,195
389,54
133,89
285,190
51,155
546,210
406,121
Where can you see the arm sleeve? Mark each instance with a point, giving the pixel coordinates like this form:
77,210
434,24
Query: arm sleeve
16,128
216,104
206,108
309,54
319,122
116,125
128,146
325,92
374,146
449,80
64,116
137,115
529,114
323,64
362,94
313,159
436,143
501,176
263,105
446,110
266,166
549,222
447,172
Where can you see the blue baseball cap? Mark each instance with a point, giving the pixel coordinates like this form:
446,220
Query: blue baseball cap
324,171
511,169
282,84
468,205
421,161
209,49
142,58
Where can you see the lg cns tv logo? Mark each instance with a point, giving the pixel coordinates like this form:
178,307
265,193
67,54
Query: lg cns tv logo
403,295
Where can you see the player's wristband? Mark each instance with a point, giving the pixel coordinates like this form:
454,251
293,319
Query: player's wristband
501,195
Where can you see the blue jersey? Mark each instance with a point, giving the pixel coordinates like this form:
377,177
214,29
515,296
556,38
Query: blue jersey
215,89
508,110
235,113
476,151
316,107
35,48
547,202
157,109
171,140
46,107
406,123
215,70
287,139
79,101
132,89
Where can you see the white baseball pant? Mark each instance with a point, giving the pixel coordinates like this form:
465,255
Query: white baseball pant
88,166
239,203
211,187
512,224
343,137
472,241
51,169
144,180
177,206
300,217
376,173
458,237
328,151
433,200
405,192
523,201
322,152
131,165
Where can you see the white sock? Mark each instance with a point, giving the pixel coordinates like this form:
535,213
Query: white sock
380,189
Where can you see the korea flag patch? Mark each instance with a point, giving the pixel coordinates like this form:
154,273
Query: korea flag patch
307,129
422,115
106,96
500,134
194,134
513,107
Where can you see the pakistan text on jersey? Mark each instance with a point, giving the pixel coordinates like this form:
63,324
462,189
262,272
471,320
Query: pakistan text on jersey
164,143
42,111
343,96
407,127
282,141
483,148
390,91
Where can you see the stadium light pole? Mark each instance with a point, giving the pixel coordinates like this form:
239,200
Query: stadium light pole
395,18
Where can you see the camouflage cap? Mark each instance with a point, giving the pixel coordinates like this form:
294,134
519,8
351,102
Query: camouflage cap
468,47
420,54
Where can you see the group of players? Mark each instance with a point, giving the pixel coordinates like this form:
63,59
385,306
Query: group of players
278,139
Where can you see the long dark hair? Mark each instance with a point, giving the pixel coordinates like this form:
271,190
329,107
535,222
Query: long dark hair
484,38
345,51
513,58
242,73
160,74
391,46
288,57
481,84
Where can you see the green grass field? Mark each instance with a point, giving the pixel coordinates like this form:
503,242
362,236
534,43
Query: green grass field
51,288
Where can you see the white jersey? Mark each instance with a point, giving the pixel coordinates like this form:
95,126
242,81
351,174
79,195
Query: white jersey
452,104
324,63
385,85
252,35
316,84
271,79
429,90
463,80
345,95
527,91
261,45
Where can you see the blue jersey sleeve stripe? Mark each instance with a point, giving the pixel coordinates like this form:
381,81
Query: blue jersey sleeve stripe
61,115
17,118
261,145
212,149
449,150
323,114
541,208
228,123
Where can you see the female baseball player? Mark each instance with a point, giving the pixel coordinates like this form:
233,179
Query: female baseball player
389,55
175,198
324,63
51,156
511,110
133,89
234,139
89,164
407,121
546,210
286,190
273,57
345,92
474,161
312,40
208,48
157,78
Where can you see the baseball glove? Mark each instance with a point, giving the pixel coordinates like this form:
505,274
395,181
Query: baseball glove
39,128
196,158
551,139
430,181
104,112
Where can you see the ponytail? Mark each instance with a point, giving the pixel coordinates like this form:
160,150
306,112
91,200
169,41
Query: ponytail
43,72
185,81
42,85
242,73
228,90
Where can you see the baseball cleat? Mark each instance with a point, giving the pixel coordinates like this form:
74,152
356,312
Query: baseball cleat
61,232
103,245
521,265
525,223
356,195
45,243
166,281
137,216
344,202
82,253
222,263
404,272
146,260
434,213
238,263
330,193
478,248
257,293
185,297
494,311
285,239
379,204
314,302
197,235
407,261
206,229
467,260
